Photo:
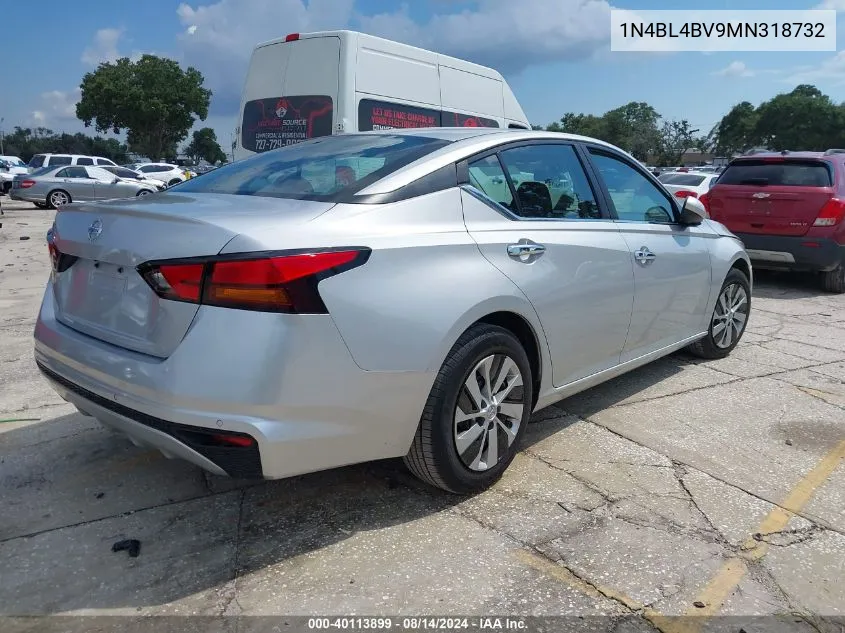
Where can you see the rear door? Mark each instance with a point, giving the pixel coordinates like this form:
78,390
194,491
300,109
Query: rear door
77,182
773,196
285,101
535,217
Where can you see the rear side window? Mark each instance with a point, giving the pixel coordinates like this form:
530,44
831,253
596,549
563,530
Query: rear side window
325,169
789,173
60,160
680,179
384,115
84,161
455,119
279,121
37,161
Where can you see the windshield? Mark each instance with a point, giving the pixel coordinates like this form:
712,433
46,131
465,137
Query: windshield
323,169
679,178
795,173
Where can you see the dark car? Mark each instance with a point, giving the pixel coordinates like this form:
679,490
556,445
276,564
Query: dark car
788,209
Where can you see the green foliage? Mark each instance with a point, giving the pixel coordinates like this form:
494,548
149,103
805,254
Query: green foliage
153,99
25,142
204,146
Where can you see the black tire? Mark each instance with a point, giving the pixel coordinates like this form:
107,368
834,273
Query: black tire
143,192
41,205
834,280
175,181
708,347
433,456
51,204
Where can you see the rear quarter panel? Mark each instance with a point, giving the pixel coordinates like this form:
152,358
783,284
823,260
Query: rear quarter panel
425,283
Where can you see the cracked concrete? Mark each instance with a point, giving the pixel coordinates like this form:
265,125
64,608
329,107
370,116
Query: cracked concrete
626,501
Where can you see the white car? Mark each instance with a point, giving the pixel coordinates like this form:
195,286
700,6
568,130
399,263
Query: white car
167,173
10,166
682,184
38,161
133,175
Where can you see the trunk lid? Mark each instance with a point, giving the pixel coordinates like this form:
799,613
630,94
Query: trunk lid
773,197
96,286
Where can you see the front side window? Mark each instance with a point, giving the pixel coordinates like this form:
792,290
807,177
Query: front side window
105,161
276,122
100,174
550,182
84,161
635,198
325,169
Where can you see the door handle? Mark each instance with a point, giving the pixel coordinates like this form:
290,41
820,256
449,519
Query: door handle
643,255
525,249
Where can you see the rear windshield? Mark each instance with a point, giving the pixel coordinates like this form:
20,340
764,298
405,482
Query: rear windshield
794,173
678,178
324,169
269,124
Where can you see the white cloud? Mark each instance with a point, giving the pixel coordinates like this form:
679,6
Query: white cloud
56,106
504,34
837,5
831,70
104,48
735,69
219,37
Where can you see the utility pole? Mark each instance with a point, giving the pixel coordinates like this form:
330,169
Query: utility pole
2,150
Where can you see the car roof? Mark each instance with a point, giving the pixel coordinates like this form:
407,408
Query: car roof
759,155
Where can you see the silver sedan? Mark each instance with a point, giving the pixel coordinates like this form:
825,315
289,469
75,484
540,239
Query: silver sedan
52,187
414,293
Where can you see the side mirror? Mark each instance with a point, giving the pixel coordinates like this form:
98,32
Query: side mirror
693,212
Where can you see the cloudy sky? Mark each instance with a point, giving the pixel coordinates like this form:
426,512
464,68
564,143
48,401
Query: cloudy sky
555,53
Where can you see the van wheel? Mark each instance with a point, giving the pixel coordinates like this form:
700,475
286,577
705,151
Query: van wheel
834,280
57,198
476,413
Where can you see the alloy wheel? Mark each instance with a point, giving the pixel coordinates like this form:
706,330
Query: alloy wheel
730,315
58,198
488,412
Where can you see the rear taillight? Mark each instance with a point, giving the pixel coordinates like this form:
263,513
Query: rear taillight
273,283
686,194
831,214
704,199
26,184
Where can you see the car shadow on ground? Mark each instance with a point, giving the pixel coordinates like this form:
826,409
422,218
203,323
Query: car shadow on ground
773,284
198,532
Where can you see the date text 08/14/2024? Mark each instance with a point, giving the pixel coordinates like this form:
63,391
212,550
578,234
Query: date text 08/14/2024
723,29
421,623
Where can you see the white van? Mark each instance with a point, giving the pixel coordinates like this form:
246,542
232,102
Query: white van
315,84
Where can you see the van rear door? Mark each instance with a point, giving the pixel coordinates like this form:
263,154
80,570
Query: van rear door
285,101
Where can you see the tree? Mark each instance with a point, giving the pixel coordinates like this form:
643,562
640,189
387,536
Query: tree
737,131
25,142
804,119
204,146
676,137
153,99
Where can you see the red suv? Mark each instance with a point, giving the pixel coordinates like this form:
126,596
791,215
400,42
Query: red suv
788,209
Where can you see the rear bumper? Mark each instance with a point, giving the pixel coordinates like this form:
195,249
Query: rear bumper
793,253
287,381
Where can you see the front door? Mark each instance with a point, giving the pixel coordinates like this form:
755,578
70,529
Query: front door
535,217
671,261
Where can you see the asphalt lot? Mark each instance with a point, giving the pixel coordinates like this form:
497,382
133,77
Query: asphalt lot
718,483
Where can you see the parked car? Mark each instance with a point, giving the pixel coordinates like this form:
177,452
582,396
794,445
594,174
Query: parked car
10,166
55,160
52,187
132,175
170,174
382,295
692,183
788,209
